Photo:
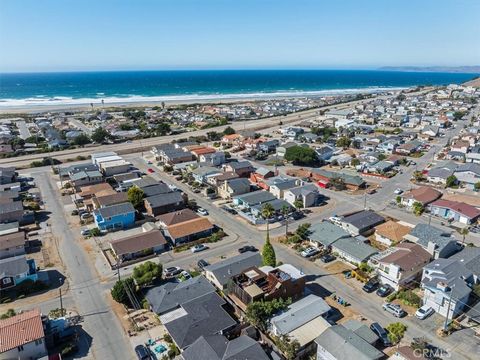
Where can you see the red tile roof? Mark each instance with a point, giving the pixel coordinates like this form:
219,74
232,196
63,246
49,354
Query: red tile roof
20,329
423,194
459,207
189,227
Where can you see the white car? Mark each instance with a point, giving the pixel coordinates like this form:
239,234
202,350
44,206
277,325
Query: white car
185,275
198,248
309,252
202,211
424,312
398,191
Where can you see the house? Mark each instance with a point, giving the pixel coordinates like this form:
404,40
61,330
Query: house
401,265
113,217
83,178
340,343
324,234
175,156
218,347
423,195
7,175
111,168
232,139
265,284
9,228
278,206
409,147
454,211
164,203
324,152
22,336
91,191
440,173
189,230
380,167
202,150
12,244
269,146
260,175
437,242
138,246
361,222
108,200
325,178
241,168
353,250
15,270
431,131
252,199
11,211
468,174
156,189
282,149
97,156
278,184
303,320
219,179
469,257
461,146
176,217
407,353
447,286
307,194
221,272
391,232
214,159
233,187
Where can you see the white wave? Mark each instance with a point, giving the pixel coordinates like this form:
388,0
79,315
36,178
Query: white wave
69,101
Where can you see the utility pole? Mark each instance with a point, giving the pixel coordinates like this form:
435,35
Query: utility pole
365,201
61,299
445,324
118,269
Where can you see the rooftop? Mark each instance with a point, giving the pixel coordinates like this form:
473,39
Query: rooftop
189,227
20,330
139,242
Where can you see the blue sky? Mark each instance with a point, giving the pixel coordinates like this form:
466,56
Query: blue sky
66,35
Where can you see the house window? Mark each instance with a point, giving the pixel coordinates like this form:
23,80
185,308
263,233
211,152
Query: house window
6,281
20,348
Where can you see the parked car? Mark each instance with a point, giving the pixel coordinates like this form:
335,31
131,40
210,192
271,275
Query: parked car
179,177
393,309
424,312
371,191
74,212
198,248
381,333
172,271
398,191
202,264
327,258
371,285
85,232
142,352
150,170
308,252
85,216
202,211
185,275
196,191
229,210
149,162
384,290
246,248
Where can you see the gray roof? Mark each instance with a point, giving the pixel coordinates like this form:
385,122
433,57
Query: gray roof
473,167
171,295
227,268
300,313
217,347
117,209
256,197
286,184
326,233
204,316
344,344
9,226
145,182
440,172
238,183
356,248
470,258
361,330
347,178
304,189
13,266
85,174
364,219
240,165
277,205
11,207
156,190
263,171
427,233
165,199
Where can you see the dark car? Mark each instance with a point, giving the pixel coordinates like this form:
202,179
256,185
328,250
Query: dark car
327,258
246,248
142,352
384,290
202,263
229,210
381,333
371,285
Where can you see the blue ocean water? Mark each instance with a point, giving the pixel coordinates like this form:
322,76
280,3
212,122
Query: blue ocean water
124,86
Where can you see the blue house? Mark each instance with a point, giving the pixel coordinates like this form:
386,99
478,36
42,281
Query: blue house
15,270
118,216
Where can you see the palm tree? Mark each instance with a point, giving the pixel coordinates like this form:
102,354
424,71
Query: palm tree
285,212
464,232
267,213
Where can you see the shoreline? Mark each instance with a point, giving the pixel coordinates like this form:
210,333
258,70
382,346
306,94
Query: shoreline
141,101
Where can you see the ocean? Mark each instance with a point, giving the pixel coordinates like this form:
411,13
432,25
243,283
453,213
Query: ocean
78,88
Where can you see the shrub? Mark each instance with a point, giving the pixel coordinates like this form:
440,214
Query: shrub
8,314
146,273
396,332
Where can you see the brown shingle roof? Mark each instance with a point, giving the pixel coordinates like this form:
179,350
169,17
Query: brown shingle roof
20,329
392,230
176,217
9,241
111,199
91,190
423,194
189,227
139,242
408,256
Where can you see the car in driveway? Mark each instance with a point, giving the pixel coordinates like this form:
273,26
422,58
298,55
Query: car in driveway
202,211
142,353
381,333
246,248
327,258
371,285
172,271
185,275
85,232
150,170
424,312
394,309
198,248
384,290
202,264
309,252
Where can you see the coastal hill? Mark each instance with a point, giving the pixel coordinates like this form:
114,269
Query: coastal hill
475,82
445,69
